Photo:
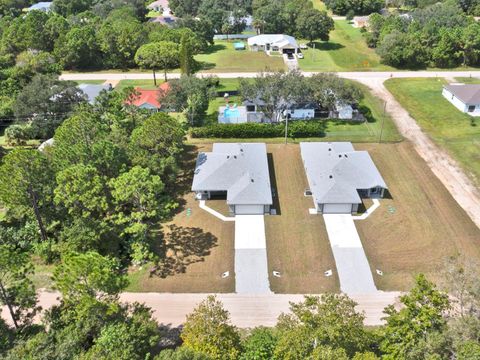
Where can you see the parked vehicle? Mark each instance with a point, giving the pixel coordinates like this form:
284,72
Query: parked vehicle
300,55
290,56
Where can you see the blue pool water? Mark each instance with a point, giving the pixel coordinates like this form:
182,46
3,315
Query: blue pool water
231,113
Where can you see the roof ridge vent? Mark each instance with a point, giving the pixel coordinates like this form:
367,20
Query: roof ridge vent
234,156
252,180
331,176
339,155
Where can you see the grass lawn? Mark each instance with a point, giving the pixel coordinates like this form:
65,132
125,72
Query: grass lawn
468,80
451,129
319,5
144,84
424,226
297,243
222,57
200,247
345,51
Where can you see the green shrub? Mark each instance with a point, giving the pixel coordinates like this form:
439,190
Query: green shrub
18,134
296,129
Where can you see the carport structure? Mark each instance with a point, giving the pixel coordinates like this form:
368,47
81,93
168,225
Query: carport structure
339,177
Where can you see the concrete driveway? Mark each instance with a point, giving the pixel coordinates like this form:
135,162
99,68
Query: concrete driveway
251,268
352,264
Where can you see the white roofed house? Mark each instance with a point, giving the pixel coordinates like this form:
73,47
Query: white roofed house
279,43
339,177
161,6
465,97
238,172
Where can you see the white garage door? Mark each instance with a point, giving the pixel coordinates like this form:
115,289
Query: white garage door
337,208
249,209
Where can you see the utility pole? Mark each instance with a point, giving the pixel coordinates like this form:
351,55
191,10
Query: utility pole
286,128
383,121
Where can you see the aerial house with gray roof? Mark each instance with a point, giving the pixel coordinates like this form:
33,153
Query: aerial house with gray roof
465,97
339,177
237,172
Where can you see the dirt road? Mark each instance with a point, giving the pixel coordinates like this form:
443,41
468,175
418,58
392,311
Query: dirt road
442,164
245,310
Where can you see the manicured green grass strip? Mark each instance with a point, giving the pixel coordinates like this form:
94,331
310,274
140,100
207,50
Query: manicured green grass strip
453,130
222,57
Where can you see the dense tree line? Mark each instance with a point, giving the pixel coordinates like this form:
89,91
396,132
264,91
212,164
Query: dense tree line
441,35
87,40
104,185
292,17
356,7
91,323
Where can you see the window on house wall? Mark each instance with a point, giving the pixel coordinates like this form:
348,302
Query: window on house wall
471,108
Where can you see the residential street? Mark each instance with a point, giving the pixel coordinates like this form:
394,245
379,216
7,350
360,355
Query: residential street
245,310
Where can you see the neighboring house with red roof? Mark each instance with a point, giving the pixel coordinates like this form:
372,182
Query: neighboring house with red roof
147,99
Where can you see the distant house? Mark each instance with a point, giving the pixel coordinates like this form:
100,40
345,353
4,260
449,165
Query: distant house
46,144
278,43
339,177
465,97
161,6
41,6
147,99
237,172
164,20
360,21
92,90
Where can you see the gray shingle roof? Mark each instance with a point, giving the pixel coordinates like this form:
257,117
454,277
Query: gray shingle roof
467,93
92,90
335,172
241,169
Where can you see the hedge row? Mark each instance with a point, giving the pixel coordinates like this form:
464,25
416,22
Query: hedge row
296,129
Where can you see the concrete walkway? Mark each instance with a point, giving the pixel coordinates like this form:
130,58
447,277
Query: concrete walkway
246,311
251,267
352,264
222,217
370,210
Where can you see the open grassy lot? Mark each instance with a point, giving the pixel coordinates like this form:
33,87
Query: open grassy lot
200,247
93,82
345,51
451,129
222,57
297,242
419,227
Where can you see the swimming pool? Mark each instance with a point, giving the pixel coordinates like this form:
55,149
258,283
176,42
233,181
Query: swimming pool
231,113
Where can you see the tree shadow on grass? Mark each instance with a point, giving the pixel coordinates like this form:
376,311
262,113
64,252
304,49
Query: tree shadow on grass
328,46
214,48
183,246
205,65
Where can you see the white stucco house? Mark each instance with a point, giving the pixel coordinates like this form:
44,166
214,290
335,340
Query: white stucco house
237,172
339,177
161,6
278,43
465,97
